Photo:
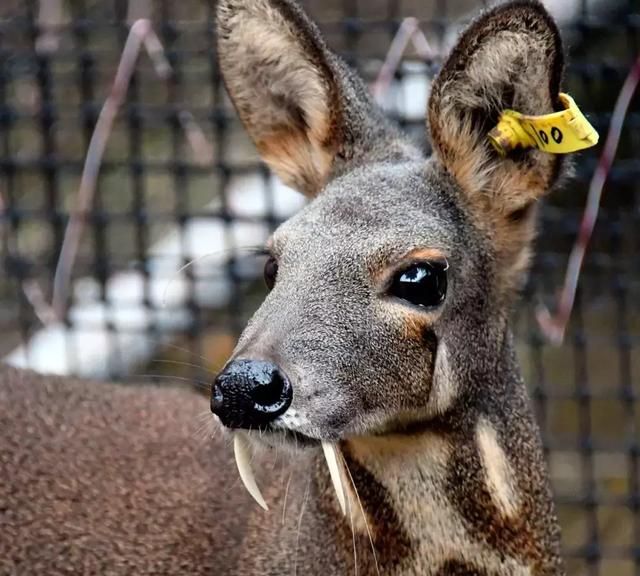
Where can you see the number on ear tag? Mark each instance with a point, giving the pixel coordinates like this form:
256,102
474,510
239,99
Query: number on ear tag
557,133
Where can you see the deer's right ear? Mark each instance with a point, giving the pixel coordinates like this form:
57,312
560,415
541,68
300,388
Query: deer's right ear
297,100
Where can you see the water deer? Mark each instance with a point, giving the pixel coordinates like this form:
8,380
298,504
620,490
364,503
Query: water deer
375,393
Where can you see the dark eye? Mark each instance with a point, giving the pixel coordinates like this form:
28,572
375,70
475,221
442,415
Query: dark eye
423,284
270,272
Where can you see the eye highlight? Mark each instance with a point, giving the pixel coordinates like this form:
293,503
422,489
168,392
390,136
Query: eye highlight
422,284
270,272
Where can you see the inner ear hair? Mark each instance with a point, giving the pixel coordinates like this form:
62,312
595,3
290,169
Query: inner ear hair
310,116
511,57
276,70
519,214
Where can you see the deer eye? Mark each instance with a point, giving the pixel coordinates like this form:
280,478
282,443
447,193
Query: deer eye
270,272
422,284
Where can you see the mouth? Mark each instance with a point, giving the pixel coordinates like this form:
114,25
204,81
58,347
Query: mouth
275,436
243,457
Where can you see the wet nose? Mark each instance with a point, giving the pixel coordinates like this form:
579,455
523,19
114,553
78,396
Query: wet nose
250,394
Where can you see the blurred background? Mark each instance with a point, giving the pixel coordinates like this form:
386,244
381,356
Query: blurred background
143,268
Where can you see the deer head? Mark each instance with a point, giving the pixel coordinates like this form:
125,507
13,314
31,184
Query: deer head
394,284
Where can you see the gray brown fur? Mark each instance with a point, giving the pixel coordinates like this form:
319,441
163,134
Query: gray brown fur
428,408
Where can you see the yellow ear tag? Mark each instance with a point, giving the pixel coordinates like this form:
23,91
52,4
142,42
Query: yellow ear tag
558,133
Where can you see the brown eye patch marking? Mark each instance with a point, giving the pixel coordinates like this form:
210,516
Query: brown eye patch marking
416,319
430,341
416,325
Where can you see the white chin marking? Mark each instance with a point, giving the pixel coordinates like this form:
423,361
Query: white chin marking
243,462
329,450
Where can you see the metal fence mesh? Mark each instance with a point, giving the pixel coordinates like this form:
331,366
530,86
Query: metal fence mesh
169,193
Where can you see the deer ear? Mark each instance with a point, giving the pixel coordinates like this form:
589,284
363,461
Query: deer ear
511,57
303,108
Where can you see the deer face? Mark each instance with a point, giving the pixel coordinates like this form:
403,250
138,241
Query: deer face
396,280
361,281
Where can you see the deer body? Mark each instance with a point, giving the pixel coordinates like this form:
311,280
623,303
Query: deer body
385,333
109,479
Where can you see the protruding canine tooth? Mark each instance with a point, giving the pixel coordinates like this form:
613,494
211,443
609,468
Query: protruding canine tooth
243,462
329,450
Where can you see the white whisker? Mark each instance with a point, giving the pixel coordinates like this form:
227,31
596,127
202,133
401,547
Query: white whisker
176,274
206,422
204,430
182,363
353,533
302,509
364,516
183,349
286,495
256,250
201,384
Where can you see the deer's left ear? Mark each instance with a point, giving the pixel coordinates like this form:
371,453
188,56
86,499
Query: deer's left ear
510,58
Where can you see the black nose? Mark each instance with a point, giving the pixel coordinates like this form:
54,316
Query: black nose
250,394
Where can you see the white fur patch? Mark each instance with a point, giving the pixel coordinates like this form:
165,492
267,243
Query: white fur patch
444,388
292,419
414,472
499,475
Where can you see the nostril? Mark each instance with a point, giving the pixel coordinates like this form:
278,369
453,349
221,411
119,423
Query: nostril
268,392
272,395
217,398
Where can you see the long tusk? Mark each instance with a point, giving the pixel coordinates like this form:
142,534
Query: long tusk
329,450
243,462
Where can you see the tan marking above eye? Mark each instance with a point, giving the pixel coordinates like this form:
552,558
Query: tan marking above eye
424,254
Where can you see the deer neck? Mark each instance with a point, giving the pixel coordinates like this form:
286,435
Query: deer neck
462,493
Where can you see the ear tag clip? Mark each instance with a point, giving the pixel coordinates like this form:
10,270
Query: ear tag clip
557,133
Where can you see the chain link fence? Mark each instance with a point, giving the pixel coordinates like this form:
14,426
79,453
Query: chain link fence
159,275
